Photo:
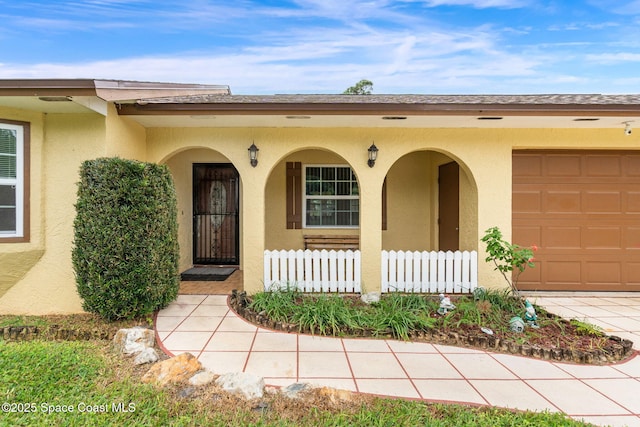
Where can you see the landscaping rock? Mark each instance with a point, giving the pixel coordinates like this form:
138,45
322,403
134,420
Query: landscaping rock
202,377
293,391
370,297
186,392
336,395
249,385
133,340
176,369
148,355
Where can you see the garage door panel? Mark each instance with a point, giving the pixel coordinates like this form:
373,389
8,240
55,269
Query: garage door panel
603,165
562,201
602,272
561,238
531,275
633,273
527,201
527,165
602,237
632,205
530,233
585,208
632,238
563,165
563,272
632,165
602,202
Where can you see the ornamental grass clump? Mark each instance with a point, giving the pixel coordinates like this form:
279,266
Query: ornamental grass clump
125,253
327,315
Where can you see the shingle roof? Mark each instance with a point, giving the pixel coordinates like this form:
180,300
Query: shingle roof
550,99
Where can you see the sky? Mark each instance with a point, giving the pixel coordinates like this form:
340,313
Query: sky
325,46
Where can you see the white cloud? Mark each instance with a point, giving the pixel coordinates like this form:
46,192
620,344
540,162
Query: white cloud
315,45
395,62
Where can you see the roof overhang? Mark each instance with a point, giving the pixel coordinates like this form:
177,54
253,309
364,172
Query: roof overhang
413,111
86,95
155,104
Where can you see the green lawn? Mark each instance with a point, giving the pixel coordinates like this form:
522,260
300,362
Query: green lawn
84,384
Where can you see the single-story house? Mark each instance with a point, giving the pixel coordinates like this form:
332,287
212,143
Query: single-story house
558,171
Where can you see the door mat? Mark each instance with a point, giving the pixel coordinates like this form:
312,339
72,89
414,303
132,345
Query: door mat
207,274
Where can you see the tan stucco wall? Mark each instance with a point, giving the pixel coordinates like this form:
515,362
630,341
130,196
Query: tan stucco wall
17,258
410,184
484,156
49,287
124,137
468,212
60,143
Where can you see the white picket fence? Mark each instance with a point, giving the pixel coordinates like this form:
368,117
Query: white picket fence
429,272
339,271
313,271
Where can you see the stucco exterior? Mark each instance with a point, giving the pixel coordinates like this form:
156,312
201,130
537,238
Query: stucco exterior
37,276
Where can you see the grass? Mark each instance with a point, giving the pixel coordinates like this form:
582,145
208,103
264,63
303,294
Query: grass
48,378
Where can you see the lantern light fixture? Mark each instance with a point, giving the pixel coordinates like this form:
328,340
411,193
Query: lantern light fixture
253,154
373,155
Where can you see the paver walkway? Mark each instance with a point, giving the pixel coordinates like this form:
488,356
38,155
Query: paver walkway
205,326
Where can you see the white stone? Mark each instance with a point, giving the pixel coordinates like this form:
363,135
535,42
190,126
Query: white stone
202,377
249,385
148,355
370,297
293,391
134,340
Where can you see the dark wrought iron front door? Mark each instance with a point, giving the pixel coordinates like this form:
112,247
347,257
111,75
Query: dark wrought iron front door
215,214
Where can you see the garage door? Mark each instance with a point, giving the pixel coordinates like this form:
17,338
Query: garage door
582,209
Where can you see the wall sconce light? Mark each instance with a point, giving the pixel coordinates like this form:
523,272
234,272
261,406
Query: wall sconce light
373,155
253,154
627,128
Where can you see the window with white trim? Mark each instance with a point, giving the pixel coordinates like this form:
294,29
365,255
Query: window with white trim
12,180
331,197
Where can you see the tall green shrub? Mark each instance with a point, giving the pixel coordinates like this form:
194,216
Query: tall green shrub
125,253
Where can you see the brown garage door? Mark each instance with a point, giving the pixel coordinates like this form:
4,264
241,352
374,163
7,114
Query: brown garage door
582,209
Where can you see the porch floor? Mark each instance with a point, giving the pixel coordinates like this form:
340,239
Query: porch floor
205,326
224,287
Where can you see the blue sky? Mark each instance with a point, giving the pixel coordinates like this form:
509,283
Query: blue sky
325,46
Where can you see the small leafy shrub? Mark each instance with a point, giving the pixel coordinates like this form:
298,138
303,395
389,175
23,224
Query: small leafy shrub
125,253
507,257
586,328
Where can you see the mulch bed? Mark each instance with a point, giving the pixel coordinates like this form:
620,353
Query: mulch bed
556,341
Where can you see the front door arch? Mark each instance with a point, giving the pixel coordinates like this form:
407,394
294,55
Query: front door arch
216,231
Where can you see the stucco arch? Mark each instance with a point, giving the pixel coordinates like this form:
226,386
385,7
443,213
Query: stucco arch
180,163
411,201
277,235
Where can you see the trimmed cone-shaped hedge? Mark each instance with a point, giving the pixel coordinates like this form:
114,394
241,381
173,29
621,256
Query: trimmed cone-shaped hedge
125,253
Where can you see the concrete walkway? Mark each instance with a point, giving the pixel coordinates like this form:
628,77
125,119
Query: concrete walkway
205,326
